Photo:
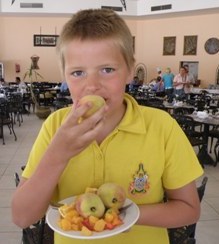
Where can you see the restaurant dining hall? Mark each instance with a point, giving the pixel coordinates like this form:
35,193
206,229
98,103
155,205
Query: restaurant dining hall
109,122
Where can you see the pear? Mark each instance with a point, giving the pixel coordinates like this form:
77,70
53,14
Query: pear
97,103
112,195
89,204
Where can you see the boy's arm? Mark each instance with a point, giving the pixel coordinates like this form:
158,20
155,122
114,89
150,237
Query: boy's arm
182,208
70,139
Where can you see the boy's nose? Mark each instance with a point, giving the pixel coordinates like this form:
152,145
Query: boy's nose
93,83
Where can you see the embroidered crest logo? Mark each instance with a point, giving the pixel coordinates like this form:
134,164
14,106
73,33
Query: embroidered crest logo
140,183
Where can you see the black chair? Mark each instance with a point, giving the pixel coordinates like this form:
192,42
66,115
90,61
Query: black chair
156,102
213,134
158,106
38,233
15,103
5,119
216,152
178,111
28,102
196,138
186,234
183,110
188,126
45,98
141,101
60,102
200,104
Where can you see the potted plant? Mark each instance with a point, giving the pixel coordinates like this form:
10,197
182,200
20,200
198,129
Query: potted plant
41,111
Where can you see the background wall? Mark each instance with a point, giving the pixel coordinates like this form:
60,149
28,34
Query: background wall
149,44
16,44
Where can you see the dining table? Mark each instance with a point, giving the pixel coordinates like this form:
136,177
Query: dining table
207,122
174,105
209,91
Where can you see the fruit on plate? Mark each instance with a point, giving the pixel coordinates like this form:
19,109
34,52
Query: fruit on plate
112,195
97,103
96,210
89,204
73,221
100,225
65,209
85,231
91,189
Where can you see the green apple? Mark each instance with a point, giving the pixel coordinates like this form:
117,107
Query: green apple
89,204
97,103
112,195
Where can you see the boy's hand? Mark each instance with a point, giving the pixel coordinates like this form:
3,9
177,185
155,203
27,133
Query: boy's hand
73,137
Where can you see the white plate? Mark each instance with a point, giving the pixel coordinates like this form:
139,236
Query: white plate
131,215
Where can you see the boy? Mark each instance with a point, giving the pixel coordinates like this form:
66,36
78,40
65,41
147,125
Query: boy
120,143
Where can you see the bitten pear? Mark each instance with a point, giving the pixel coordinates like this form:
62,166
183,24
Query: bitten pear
89,204
97,103
112,195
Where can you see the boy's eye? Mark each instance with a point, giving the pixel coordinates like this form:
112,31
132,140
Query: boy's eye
78,73
108,70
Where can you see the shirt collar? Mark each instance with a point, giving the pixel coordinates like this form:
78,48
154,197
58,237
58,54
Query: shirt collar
133,120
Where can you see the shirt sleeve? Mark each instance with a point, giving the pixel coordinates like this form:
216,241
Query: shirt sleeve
175,79
182,165
39,147
47,131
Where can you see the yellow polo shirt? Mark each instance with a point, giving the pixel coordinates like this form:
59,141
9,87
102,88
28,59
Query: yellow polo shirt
146,152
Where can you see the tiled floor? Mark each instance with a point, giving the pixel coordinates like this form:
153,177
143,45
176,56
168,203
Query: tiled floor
14,154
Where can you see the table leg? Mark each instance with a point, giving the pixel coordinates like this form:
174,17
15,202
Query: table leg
204,157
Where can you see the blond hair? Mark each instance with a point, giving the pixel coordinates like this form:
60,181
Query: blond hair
97,24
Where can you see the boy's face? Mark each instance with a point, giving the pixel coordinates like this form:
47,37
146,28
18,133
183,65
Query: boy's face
97,68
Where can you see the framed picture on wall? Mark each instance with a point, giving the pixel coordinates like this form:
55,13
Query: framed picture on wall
212,45
45,40
169,45
190,45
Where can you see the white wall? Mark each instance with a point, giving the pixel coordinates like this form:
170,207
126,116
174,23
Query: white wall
149,44
134,7
148,32
144,7
64,6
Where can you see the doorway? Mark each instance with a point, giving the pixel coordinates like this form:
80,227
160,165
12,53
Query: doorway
193,68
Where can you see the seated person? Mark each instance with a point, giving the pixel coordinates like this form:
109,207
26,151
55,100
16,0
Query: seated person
2,82
159,86
64,87
135,83
21,85
64,90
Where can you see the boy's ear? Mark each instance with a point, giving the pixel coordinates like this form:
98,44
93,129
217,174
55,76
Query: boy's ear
131,75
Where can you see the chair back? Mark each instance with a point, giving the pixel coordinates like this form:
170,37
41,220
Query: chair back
4,112
38,233
186,123
201,191
186,234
